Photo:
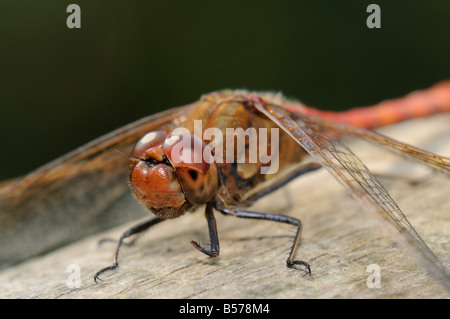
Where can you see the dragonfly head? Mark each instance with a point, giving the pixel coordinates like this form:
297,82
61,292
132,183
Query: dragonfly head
170,173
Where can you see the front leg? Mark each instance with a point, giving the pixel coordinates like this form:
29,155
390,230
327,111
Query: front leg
213,235
290,262
136,229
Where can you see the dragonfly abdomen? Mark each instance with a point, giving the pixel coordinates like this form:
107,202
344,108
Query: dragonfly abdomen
417,104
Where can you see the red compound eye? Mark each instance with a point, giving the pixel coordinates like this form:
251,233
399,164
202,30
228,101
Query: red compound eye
148,141
194,165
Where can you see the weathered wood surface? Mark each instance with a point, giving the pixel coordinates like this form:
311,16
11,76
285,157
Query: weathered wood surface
340,240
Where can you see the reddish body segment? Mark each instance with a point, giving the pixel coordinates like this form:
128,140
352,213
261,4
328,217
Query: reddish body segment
415,105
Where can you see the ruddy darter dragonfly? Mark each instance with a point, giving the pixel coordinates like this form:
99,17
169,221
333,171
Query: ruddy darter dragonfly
92,177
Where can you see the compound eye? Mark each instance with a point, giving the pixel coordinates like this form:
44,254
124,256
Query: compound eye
194,165
149,140
189,151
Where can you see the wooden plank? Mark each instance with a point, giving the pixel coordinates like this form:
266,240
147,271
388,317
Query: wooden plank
340,241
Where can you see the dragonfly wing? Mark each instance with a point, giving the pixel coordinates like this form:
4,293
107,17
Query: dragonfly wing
75,195
320,142
435,161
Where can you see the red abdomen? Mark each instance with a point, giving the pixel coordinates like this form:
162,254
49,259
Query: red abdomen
416,104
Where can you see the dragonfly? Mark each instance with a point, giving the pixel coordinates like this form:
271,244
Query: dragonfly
82,187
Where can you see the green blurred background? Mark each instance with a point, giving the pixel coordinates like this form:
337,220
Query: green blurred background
60,87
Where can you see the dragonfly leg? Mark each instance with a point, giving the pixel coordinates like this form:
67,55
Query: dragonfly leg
136,229
115,241
213,235
303,169
290,262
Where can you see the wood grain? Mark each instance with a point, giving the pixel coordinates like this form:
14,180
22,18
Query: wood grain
339,241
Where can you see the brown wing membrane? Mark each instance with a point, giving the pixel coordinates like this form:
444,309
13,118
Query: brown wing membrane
75,195
320,142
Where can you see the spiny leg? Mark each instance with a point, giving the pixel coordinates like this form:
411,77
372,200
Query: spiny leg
213,235
136,229
290,262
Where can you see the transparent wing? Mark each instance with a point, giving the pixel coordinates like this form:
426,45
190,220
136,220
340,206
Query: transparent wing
75,195
435,161
321,143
